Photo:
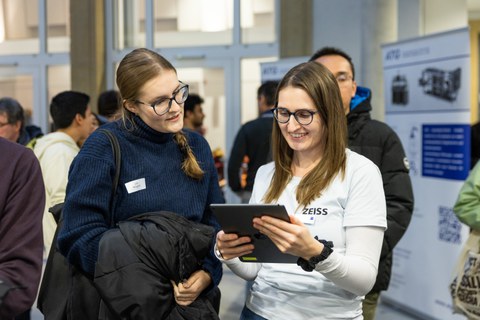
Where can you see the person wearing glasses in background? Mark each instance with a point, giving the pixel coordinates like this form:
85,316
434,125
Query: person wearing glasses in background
336,204
13,124
379,143
163,169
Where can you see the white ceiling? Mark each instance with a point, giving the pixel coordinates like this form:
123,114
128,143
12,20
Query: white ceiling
473,7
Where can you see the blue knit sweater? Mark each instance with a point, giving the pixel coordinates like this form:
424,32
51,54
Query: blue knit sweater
146,154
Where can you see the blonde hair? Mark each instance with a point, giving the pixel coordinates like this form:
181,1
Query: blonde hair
323,89
135,69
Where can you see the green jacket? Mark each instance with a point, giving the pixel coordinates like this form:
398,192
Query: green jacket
467,207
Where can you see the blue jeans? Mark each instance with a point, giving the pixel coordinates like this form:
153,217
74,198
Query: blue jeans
247,314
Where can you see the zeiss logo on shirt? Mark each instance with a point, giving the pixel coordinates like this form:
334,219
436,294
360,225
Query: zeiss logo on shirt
315,211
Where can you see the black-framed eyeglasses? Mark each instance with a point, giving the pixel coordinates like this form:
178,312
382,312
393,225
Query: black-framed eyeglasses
304,117
163,105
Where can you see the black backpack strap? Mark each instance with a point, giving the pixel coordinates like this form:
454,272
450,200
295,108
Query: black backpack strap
118,160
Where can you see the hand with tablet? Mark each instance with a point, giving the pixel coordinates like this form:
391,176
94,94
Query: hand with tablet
241,234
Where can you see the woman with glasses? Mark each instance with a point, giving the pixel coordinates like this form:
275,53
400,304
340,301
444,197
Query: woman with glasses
163,169
336,205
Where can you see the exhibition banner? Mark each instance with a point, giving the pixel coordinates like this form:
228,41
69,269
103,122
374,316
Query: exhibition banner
275,70
427,103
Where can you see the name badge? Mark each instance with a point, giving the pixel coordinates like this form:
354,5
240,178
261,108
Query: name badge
307,219
135,185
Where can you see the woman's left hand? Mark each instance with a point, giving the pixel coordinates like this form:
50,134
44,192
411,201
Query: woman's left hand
188,291
293,238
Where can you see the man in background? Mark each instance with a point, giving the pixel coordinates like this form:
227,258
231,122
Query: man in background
108,106
193,113
22,201
12,123
251,148
73,120
379,143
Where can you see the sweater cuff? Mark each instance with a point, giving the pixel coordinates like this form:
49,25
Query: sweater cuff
214,267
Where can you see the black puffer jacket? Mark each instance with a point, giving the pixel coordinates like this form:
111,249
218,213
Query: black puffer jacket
137,260
379,143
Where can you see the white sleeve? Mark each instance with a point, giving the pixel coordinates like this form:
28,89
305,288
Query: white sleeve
356,271
246,271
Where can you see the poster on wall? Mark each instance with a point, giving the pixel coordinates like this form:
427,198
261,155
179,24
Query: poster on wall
275,70
427,102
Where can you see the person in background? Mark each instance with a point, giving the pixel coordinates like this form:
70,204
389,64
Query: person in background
164,168
467,206
22,200
251,148
96,123
193,114
379,143
73,118
109,106
313,171
12,123
193,120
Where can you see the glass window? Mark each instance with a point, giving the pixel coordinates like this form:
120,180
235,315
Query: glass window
59,79
58,26
213,93
19,87
251,80
257,20
181,23
129,23
19,27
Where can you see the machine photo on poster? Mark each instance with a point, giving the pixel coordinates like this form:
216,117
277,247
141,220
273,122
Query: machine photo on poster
440,83
400,90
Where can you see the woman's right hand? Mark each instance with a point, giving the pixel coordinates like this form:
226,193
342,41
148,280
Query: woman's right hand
231,246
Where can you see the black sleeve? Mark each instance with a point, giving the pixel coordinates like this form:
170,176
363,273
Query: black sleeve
239,150
398,192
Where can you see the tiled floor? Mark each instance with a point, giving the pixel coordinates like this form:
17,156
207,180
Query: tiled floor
233,297
387,312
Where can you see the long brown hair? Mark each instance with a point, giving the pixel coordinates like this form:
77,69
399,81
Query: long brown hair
135,69
323,89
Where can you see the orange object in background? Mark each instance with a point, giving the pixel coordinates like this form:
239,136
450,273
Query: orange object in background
243,171
219,164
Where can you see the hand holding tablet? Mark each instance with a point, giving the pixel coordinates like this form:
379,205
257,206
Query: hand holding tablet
238,219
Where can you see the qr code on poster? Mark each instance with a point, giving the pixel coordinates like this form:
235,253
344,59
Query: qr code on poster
449,225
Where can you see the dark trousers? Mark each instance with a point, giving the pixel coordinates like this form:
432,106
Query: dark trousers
24,316
248,314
